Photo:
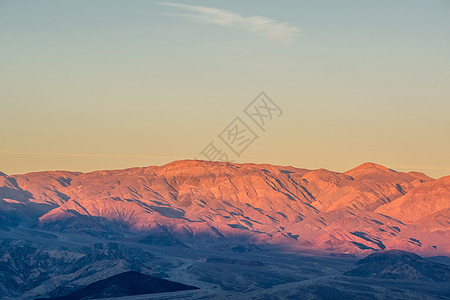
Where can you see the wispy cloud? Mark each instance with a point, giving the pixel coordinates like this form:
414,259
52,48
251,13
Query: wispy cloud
270,28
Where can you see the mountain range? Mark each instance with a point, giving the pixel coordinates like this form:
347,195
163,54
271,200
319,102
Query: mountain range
185,203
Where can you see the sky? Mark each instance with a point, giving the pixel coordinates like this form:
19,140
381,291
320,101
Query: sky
87,85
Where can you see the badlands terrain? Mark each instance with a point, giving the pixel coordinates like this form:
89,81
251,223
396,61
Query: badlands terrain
215,229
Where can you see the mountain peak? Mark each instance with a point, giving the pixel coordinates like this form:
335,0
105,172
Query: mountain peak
187,163
194,167
369,168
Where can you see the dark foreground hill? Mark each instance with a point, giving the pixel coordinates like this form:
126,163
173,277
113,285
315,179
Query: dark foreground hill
398,264
125,284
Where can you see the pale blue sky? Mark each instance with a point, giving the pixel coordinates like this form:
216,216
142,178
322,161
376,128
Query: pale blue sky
86,85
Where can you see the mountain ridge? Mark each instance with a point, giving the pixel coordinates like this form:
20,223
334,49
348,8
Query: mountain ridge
194,200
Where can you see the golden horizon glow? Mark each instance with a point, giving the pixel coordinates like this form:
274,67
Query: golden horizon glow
140,83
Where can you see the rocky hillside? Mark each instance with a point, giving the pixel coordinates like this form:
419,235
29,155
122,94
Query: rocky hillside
28,270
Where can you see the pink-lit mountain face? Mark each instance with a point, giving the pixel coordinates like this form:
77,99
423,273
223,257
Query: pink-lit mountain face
368,208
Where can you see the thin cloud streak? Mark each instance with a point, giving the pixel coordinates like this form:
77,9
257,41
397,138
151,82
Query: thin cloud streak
272,29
